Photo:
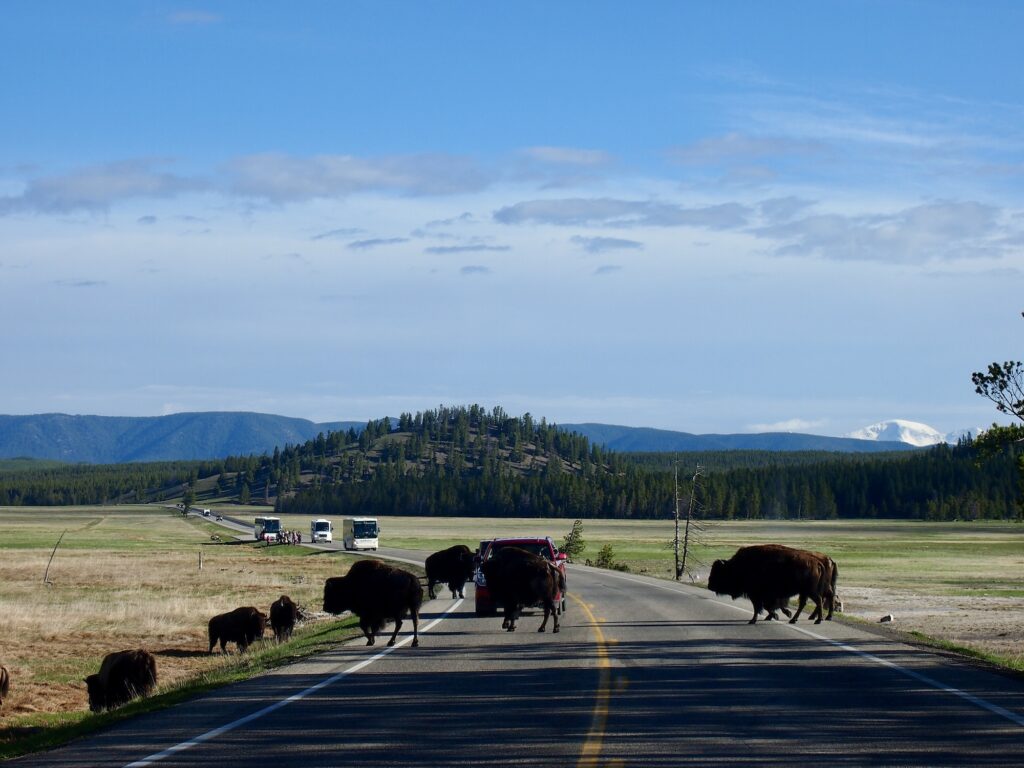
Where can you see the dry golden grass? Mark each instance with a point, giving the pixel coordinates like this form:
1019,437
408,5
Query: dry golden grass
114,592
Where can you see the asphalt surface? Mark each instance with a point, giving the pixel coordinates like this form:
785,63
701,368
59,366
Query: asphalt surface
644,672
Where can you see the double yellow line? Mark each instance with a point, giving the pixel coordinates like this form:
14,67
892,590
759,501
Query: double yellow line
590,752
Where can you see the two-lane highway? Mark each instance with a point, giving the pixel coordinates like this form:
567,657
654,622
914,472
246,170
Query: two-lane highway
644,672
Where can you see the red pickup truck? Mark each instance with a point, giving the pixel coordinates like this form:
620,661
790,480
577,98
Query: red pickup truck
486,605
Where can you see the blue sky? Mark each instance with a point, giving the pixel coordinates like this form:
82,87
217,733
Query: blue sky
710,217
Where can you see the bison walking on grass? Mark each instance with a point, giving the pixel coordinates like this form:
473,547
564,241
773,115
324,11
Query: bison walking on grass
283,614
5,684
376,593
452,566
517,579
242,626
769,574
123,676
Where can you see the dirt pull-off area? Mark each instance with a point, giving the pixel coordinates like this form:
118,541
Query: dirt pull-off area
990,624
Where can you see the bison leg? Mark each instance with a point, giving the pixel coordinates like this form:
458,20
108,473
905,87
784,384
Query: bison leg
430,589
398,626
758,607
819,608
415,627
799,608
368,631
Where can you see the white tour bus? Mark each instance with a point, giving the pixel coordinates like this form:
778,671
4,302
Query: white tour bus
266,528
360,532
320,530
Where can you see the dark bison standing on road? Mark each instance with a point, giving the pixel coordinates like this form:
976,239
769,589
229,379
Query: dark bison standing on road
829,593
283,614
518,578
769,574
122,676
452,566
242,626
376,592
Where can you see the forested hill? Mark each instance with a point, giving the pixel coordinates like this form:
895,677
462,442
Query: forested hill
474,462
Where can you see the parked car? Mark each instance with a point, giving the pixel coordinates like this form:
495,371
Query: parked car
544,546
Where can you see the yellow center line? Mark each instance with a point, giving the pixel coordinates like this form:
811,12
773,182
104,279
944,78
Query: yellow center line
590,752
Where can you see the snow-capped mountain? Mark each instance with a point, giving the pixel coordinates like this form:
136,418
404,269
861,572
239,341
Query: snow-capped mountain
903,431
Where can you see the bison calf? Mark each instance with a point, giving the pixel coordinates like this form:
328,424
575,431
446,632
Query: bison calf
452,566
376,592
123,676
283,614
242,626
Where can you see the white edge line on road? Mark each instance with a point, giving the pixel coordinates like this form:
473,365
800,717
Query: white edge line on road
977,701
212,734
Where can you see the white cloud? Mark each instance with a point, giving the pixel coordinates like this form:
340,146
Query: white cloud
738,146
622,213
789,425
376,242
283,178
934,231
98,187
465,248
603,244
568,156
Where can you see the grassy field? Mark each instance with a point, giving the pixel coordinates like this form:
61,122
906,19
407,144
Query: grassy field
952,559
129,577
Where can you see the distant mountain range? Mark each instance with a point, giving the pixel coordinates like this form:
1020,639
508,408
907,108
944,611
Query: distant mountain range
214,435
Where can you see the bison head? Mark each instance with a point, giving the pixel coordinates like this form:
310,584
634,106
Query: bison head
97,694
721,580
336,595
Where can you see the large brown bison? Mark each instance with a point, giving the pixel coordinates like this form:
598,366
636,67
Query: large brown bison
376,592
123,676
283,614
452,566
769,574
5,684
242,626
517,578
830,595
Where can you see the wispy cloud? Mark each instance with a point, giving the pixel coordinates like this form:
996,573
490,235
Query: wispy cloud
789,425
98,187
738,146
362,245
474,269
147,220
567,156
603,244
79,283
935,231
286,178
610,212
465,248
607,269
344,232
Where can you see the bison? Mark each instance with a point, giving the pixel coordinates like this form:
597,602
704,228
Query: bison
517,578
452,566
5,684
283,614
769,574
122,676
376,592
831,597
242,626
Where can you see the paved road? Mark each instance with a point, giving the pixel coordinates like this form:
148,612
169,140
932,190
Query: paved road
644,672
